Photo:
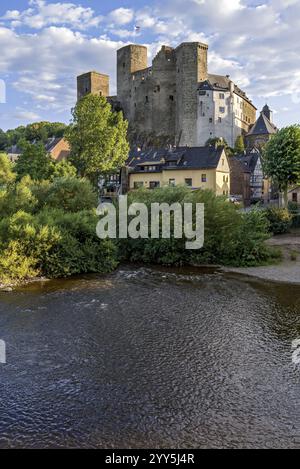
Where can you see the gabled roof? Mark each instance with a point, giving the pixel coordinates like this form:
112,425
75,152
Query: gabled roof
263,126
51,143
222,83
183,158
249,160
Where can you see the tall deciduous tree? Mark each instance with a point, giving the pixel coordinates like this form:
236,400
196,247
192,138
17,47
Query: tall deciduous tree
34,161
282,159
98,138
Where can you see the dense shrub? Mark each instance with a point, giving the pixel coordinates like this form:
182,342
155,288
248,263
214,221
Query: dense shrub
49,228
231,237
71,194
280,220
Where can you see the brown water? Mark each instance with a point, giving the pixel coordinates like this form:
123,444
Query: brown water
149,358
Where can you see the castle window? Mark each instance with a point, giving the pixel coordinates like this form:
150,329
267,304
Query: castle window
147,99
124,64
210,120
221,96
220,120
171,98
222,110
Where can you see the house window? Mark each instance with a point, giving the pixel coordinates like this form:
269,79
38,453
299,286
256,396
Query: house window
295,197
188,182
153,184
221,96
172,182
222,109
138,184
203,178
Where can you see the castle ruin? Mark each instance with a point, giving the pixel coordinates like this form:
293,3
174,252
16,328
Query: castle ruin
175,101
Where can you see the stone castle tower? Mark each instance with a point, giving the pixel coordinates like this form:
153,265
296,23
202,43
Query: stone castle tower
92,82
161,102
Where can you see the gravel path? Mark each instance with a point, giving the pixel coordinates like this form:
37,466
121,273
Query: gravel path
288,271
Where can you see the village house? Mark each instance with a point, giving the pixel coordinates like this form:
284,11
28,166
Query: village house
197,167
57,148
247,178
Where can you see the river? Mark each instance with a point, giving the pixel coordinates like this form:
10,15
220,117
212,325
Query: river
149,358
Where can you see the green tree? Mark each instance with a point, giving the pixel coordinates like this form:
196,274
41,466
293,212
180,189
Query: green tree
63,169
220,142
98,138
34,161
14,136
282,159
3,140
71,194
7,174
36,132
217,141
239,146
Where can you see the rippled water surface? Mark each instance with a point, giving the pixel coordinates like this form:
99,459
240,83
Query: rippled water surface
148,358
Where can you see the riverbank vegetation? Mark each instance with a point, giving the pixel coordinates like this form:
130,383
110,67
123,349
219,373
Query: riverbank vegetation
232,237
48,228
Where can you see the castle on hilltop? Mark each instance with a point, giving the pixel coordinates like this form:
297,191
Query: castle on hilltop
175,101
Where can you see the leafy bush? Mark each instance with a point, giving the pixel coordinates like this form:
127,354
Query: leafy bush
280,220
15,265
231,237
50,228
55,244
71,194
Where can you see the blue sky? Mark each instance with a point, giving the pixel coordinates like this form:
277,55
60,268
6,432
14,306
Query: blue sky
45,44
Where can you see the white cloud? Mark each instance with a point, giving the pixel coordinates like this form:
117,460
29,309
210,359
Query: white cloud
121,16
42,14
26,115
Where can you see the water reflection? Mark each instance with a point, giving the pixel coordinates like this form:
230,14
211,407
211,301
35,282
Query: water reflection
150,358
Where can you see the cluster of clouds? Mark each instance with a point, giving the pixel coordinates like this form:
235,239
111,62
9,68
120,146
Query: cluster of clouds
46,45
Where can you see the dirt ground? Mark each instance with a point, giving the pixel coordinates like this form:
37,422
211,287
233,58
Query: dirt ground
288,271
